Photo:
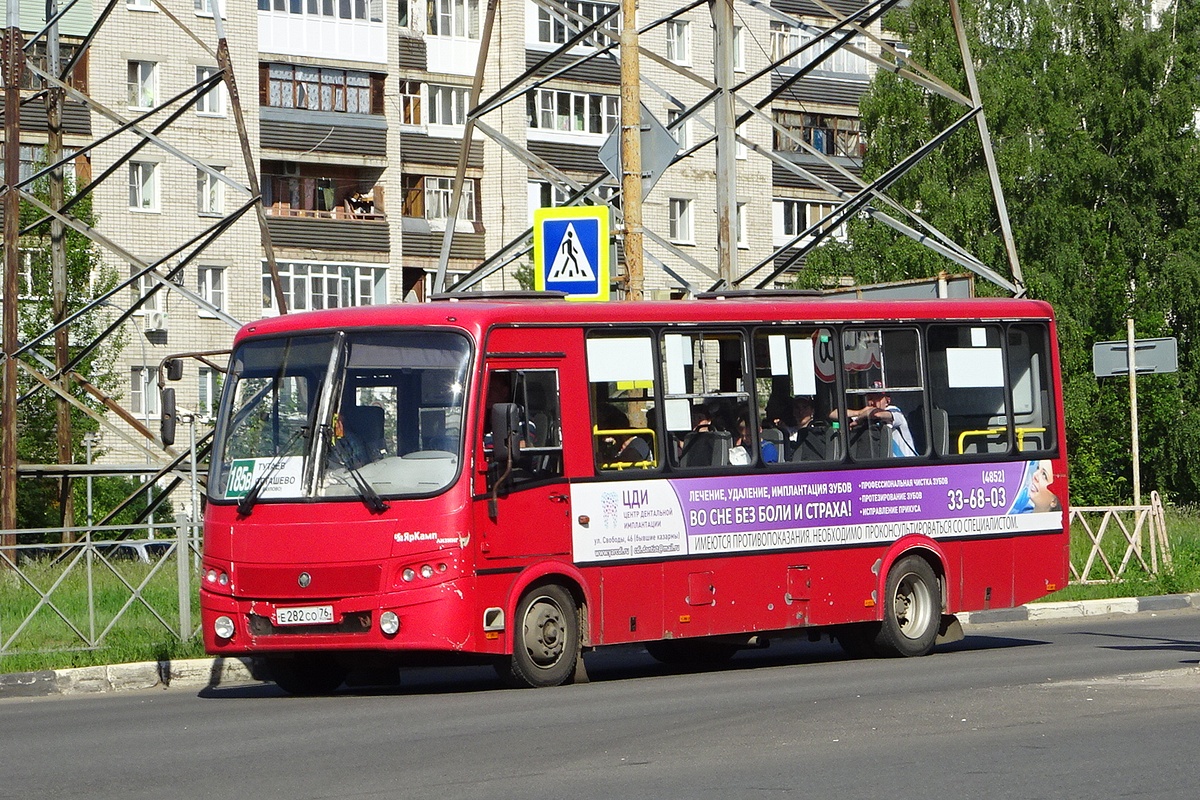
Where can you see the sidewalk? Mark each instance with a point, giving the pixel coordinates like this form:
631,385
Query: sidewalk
208,673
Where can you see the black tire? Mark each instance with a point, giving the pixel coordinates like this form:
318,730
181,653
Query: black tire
546,642
858,640
307,675
690,652
912,609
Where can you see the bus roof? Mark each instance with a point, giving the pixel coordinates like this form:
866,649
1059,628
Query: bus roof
479,314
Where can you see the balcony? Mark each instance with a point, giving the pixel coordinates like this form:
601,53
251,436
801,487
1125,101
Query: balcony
317,206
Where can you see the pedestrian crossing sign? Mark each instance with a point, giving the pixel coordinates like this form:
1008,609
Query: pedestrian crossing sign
571,251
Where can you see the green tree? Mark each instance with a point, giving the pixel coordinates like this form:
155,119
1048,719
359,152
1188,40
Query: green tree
1091,105
38,501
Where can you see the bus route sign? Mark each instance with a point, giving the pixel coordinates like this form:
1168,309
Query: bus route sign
571,252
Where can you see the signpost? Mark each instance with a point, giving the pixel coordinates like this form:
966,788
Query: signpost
571,251
1135,357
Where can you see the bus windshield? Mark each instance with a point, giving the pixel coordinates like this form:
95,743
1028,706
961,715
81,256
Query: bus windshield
342,415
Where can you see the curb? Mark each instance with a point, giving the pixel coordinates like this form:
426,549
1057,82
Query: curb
1082,608
210,673
196,673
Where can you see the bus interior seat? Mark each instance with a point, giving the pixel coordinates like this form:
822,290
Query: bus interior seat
706,449
366,423
870,441
939,423
812,444
938,434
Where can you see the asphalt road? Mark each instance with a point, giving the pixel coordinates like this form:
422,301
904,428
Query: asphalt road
1100,708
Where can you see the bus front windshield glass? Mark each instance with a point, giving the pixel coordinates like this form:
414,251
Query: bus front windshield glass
363,415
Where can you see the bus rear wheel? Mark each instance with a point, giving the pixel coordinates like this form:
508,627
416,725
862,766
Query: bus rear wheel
306,675
912,609
546,644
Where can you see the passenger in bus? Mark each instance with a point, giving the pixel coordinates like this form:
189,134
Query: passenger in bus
617,445
879,408
769,450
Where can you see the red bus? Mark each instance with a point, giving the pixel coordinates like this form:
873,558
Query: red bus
522,480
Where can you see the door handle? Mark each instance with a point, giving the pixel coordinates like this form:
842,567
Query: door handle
559,498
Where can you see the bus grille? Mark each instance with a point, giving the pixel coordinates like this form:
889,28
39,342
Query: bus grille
356,622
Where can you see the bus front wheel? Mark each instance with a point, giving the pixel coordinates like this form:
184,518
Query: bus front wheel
912,609
546,644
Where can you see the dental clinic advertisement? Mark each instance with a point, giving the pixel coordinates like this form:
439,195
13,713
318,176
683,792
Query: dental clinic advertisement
668,518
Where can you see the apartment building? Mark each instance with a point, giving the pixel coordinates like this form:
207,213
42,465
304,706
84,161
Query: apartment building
355,112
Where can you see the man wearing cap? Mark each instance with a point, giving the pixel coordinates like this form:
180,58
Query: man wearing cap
880,409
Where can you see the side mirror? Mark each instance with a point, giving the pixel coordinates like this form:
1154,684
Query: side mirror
167,422
506,431
174,369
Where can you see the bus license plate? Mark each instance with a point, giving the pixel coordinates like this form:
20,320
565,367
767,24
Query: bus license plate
304,615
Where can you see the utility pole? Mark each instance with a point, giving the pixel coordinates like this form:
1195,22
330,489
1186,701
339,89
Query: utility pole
725,118
631,151
14,67
58,271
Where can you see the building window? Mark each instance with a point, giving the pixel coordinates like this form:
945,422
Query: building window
33,160
739,147
786,39
361,10
212,102
739,49
680,223
211,287
743,226
826,133
204,8
142,84
553,30
209,390
429,197
454,19
144,287
309,285
574,112
143,186
140,5
794,217
681,127
143,392
679,42
210,193
319,89
410,102
447,105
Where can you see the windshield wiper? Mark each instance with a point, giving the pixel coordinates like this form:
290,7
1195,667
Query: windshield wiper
371,499
246,503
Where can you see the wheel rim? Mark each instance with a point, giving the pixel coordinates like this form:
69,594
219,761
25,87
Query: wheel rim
912,606
544,632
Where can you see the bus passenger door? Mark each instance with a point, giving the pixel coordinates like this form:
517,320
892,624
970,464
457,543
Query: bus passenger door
522,509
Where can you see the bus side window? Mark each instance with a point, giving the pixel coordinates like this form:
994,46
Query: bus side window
705,398
883,413
535,392
993,386
796,391
624,417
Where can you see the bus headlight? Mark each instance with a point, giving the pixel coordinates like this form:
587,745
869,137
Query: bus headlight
389,623
223,627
